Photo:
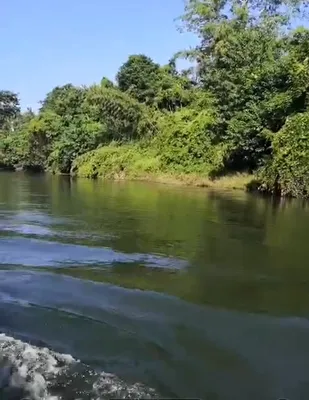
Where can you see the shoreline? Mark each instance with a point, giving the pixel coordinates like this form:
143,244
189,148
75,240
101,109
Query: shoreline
237,181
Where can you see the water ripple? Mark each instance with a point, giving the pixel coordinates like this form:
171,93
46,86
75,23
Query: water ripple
34,253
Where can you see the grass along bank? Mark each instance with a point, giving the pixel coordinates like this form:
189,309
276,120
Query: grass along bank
235,181
131,162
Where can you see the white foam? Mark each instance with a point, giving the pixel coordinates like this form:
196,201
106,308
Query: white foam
31,367
41,374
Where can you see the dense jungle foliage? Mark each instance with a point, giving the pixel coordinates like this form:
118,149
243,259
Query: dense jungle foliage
242,107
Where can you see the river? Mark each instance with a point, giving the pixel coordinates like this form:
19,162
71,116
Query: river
137,290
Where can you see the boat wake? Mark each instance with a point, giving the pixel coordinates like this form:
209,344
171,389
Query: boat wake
33,373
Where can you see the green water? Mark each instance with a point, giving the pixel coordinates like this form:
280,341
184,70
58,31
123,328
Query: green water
187,291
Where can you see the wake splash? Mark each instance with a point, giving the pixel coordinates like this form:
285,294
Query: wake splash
31,373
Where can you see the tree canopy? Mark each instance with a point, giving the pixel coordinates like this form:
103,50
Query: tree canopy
138,77
9,106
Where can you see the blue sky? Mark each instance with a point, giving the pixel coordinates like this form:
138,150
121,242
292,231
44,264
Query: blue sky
45,43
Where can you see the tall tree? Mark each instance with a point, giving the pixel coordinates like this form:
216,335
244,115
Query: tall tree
242,44
65,101
9,106
107,83
138,77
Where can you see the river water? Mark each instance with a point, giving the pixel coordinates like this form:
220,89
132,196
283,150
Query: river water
135,290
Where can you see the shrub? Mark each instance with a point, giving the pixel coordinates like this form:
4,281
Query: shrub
185,142
115,161
287,172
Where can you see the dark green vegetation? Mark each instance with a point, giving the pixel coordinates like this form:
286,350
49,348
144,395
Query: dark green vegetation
242,107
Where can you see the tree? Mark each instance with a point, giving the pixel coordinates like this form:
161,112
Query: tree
9,106
107,83
78,138
173,90
286,172
41,133
138,76
120,112
240,59
66,101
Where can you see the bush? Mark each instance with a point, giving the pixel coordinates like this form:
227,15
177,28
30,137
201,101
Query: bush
287,173
12,150
185,142
115,161
78,138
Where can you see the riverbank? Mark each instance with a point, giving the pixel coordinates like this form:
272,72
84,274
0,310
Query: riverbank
238,181
229,182
131,162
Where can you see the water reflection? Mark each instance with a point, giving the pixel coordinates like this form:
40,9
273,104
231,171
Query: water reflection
195,293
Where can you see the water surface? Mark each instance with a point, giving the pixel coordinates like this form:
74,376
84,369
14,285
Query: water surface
130,290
